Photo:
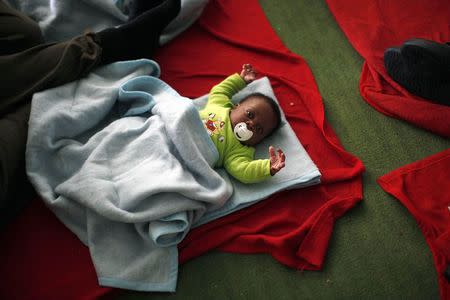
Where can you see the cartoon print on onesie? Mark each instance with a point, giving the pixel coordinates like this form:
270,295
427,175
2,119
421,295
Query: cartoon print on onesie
214,126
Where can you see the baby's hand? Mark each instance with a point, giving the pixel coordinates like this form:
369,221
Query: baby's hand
276,160
248,73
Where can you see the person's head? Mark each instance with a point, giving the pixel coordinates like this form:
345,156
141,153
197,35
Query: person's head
261,115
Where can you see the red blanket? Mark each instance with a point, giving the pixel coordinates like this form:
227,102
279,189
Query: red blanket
372,26
44,260
423,188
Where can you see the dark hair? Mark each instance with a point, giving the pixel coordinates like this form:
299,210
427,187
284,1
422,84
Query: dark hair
271,102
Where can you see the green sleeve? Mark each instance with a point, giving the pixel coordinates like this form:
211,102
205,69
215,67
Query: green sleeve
241,166
221,93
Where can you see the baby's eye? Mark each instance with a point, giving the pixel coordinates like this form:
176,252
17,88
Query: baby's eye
250,114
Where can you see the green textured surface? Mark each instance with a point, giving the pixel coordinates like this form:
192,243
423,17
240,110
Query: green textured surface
377,250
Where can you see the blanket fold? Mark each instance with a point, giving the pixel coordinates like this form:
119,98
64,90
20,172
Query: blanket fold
125,185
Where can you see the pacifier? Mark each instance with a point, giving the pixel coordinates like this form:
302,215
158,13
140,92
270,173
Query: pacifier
241,132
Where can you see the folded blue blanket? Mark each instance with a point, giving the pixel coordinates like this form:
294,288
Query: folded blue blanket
124,161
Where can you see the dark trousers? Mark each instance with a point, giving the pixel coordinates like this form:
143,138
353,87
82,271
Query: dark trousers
28,65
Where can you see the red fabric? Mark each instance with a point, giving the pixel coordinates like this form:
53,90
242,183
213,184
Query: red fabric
423,187
293,226
42,259
371,26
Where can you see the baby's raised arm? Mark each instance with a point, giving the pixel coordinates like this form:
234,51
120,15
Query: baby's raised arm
248,73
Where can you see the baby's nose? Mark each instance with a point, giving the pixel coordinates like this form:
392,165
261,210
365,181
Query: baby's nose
249,125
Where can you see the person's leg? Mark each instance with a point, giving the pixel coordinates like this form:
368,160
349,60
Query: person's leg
15,189
138,38
137,7
23,74
45,66
49,65
17,31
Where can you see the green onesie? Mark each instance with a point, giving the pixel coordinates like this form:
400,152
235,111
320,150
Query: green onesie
235,157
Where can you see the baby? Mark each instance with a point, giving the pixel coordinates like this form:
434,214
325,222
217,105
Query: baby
236,129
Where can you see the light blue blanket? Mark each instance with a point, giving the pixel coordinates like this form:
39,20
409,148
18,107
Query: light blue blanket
124,161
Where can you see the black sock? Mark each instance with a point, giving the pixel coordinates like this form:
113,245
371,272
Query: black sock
139,37
137,7
422,67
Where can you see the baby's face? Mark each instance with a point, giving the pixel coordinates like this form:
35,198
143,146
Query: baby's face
259,117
